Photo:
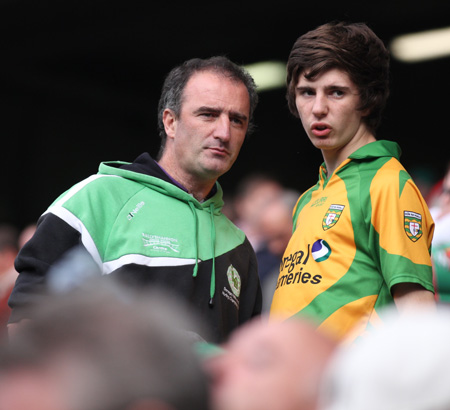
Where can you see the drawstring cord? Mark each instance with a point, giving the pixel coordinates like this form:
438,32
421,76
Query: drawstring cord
194,274
212,288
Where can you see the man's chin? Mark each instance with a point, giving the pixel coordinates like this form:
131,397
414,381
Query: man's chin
215,168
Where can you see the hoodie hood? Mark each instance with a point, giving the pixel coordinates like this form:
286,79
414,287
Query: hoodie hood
146,171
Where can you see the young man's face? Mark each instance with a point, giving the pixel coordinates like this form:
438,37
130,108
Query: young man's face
327,107
208,134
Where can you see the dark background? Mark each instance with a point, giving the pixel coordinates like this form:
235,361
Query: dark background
81,80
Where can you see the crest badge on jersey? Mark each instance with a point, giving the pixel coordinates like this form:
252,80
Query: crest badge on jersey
332,216
413,225
234,280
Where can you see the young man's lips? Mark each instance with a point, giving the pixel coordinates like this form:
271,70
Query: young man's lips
320,129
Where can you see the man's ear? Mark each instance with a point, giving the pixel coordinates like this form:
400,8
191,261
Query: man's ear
170,122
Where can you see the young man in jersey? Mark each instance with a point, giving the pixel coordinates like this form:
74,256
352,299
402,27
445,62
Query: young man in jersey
362,234
160,222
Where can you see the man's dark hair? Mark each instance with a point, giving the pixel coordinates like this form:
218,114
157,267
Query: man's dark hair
176,80
351,47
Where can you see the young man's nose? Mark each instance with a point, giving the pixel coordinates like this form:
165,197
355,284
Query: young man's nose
320,106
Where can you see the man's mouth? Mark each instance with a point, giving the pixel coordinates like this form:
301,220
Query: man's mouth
218,151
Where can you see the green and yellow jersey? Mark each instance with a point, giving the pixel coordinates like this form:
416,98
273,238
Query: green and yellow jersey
356,235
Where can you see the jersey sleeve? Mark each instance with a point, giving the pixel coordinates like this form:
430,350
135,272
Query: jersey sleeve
403,228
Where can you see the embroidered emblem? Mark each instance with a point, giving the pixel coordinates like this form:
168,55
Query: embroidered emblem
160,243
332,216
234,280
413,225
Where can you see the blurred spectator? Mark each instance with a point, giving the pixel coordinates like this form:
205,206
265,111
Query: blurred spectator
9,236
403,365
276,221
276,227
440,250
254,194
104,347
26,234
273,366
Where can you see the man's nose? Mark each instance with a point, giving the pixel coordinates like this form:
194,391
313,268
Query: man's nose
223,127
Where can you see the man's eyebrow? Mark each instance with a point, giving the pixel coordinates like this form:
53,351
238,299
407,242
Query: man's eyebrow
238,115
206,108
214,110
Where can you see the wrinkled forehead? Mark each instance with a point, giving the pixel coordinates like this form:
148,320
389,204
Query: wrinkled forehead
211,88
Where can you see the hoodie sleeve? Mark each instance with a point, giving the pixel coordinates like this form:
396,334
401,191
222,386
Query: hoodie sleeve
53,238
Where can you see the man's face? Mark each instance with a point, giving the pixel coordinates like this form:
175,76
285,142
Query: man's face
208,134
272,366
327,107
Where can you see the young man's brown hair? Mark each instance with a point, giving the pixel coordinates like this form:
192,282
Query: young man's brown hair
351,47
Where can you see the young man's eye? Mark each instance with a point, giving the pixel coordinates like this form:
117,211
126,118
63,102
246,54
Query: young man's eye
306,93
337,93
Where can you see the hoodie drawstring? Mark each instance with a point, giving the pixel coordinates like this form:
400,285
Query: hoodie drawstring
194,212
212,288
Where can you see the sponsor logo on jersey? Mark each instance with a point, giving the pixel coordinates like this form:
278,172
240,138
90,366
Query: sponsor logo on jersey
320,250
413,225
234,280
332,216
291,270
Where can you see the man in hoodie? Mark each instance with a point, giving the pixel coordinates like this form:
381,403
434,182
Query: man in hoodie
160,222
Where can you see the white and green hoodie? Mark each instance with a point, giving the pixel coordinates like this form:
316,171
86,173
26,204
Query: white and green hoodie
137,223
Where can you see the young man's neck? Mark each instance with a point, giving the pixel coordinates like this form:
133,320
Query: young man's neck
334,158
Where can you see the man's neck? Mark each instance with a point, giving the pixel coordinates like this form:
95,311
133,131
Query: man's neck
188,183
